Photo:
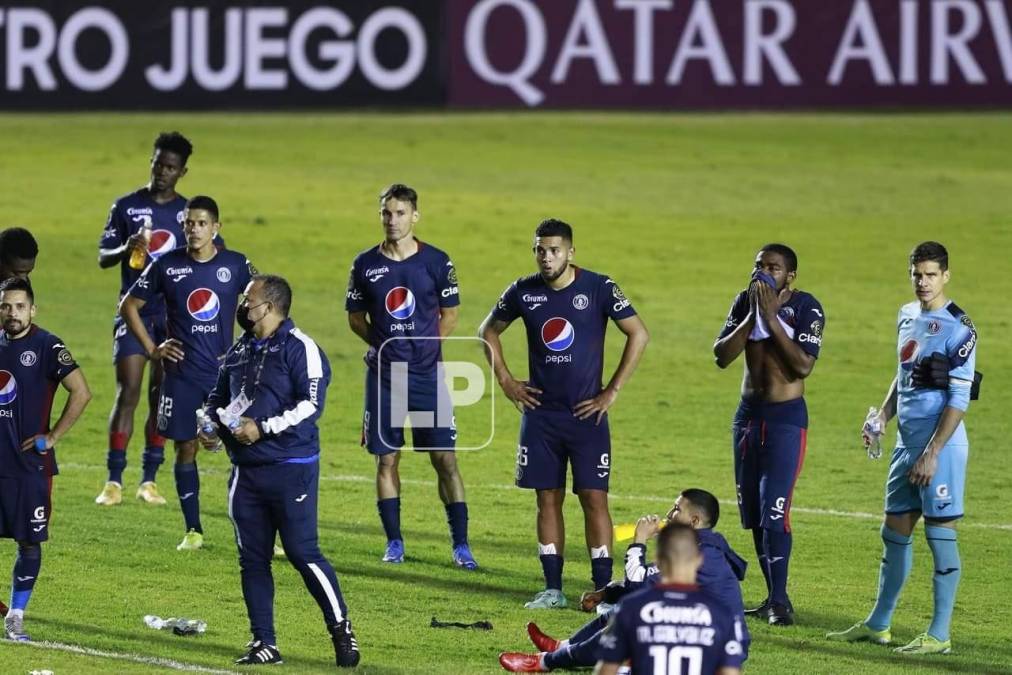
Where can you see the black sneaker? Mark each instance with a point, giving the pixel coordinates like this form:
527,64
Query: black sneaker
781,615
345,645
260,654
760,612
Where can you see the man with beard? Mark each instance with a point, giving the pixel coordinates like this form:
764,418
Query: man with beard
564,406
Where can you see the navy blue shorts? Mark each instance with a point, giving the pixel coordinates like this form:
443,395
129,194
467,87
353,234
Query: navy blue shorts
124,343
177,407
383,429
24,508
769,449
548,440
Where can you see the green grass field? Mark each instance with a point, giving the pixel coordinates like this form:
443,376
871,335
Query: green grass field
674,208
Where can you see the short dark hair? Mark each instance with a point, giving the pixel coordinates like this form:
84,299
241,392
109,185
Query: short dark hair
553,227
277,291
707,504
790,257
173,141
204,203
401,193
677,543
930,251
18,284
17,243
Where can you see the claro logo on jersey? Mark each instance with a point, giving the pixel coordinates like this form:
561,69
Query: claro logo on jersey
8,392
162,241
203,305
400,304
558,335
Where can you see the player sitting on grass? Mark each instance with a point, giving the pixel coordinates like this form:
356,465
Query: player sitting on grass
719,576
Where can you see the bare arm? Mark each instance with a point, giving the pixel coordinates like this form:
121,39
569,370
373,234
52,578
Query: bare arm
729,670
109,257
636,341
359,324
925,467
729,347
130,310
605,668
520,393
78,399
448,320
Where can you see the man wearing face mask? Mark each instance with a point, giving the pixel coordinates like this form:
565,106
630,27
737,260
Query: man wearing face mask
201,286
269,395
779,329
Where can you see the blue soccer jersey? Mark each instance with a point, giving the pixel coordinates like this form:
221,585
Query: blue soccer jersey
802,315
31,368
951,332
402,299
201,299
128,215
671,630
565,333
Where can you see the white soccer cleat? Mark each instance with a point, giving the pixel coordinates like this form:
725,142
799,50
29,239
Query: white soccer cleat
112,494
148,492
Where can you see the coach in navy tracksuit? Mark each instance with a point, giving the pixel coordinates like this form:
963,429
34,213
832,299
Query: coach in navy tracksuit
274,379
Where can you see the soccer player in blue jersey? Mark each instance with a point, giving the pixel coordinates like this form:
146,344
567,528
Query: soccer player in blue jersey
673,627
158,209
565,310
929,396
274,380
400,290
200,286
719,576
18,252
33,363
780,330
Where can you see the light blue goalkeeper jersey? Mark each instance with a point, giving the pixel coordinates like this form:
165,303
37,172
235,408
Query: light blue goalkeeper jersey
947,330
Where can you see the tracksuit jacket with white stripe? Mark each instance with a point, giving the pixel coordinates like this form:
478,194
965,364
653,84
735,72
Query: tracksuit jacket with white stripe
287,401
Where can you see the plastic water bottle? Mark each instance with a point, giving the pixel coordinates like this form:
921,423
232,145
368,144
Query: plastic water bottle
873,429
229,420
177,626
207,426
139,256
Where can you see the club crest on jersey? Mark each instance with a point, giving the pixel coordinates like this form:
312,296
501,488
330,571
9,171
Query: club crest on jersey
162,241
934,327
558,334
908,354
8,388
203,304
400,302
224,275
28,359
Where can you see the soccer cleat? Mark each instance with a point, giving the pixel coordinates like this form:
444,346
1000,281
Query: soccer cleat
395,551
260,654
761,612
925,644
3,609
112,494
861,632
781,615
550,598
544,643
148,492
192,541
462,557
14,627
345,645
518,662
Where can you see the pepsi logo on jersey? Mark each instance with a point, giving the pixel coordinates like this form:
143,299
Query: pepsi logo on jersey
558,335
400,304
161,242
203,305
8,392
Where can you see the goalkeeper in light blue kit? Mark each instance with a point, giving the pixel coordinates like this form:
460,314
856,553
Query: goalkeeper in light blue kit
932,389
